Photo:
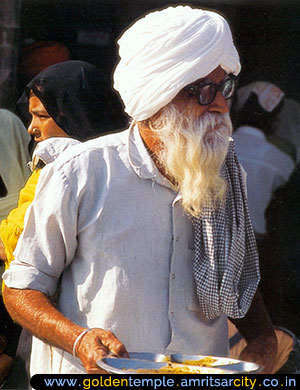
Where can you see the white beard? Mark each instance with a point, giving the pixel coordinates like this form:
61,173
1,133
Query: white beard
193,153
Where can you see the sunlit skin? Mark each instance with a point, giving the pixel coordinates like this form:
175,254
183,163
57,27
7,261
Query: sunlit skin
189,105
42,125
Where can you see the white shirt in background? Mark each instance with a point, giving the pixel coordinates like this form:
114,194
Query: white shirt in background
267,168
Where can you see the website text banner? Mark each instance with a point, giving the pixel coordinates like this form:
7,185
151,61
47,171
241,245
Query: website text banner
164,382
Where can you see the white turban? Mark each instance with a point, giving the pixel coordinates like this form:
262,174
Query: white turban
167,50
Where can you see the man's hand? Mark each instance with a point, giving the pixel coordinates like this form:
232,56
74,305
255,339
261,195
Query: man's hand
34,311
262,351
257,330
95,345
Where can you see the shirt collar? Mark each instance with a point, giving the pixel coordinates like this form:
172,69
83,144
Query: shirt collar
140,159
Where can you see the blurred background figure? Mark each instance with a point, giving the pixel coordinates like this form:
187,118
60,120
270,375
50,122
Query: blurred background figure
269,156
14,141
280,255
287,125
267,159
39,55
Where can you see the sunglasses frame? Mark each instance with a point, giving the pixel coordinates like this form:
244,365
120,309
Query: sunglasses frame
195,89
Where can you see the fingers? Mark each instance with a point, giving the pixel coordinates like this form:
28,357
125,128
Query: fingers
97,344
110,341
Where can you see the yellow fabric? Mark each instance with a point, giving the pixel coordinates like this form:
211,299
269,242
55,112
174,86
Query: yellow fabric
12,227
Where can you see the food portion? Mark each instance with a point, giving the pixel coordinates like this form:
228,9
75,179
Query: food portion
203,362
176,368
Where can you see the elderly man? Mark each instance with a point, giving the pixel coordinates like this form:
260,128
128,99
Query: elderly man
111,230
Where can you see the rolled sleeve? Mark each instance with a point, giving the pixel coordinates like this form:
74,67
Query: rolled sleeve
23,276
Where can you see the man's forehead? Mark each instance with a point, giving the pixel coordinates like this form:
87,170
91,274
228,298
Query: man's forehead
216,76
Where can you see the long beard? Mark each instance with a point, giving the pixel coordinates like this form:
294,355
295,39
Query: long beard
193,153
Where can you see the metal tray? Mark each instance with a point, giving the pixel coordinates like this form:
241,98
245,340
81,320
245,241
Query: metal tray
153,357
130,366
219,362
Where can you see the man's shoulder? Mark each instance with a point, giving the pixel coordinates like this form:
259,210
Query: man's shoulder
94,148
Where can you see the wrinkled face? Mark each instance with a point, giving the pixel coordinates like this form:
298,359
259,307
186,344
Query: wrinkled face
42,125
188,104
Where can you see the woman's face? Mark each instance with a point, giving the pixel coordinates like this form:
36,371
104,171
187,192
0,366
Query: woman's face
42,125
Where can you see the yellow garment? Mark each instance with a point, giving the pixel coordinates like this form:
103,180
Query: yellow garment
12,227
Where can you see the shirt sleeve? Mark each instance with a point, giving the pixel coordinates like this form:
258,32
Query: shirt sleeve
48,242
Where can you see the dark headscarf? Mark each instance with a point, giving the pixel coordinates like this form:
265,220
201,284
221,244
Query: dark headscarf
78,97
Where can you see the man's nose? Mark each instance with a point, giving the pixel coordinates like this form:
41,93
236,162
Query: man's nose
219,104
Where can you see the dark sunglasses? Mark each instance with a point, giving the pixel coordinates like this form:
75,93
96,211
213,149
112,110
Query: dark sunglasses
206,90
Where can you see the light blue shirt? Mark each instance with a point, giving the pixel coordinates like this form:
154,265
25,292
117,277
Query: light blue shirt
112,227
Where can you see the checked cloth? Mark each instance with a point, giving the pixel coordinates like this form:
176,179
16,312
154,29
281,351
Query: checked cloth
226,264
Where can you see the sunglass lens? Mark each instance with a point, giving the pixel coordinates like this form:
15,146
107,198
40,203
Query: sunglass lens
228,88
207,94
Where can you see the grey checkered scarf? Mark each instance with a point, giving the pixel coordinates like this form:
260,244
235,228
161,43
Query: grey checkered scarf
226,265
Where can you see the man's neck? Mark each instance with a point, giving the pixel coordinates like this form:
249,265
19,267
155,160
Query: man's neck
150,139
154,145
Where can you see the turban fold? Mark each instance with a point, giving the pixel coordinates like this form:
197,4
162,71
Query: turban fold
167,50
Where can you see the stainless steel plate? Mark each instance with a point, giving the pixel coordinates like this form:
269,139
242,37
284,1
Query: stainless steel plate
220,362
130,366
154,357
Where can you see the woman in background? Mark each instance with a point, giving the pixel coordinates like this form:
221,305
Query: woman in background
68,102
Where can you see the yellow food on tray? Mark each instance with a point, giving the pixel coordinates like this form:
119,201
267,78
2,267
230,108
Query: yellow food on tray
204,362
172,368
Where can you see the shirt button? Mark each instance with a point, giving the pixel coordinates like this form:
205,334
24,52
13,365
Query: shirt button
177,238
173,276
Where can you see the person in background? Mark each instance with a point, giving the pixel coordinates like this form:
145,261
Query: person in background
267,166
34,57
39,55
64,102
287,124
269,161
280,260
288,352
14,141
121,210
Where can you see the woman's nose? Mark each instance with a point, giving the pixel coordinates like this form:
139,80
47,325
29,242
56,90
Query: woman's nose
30,128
